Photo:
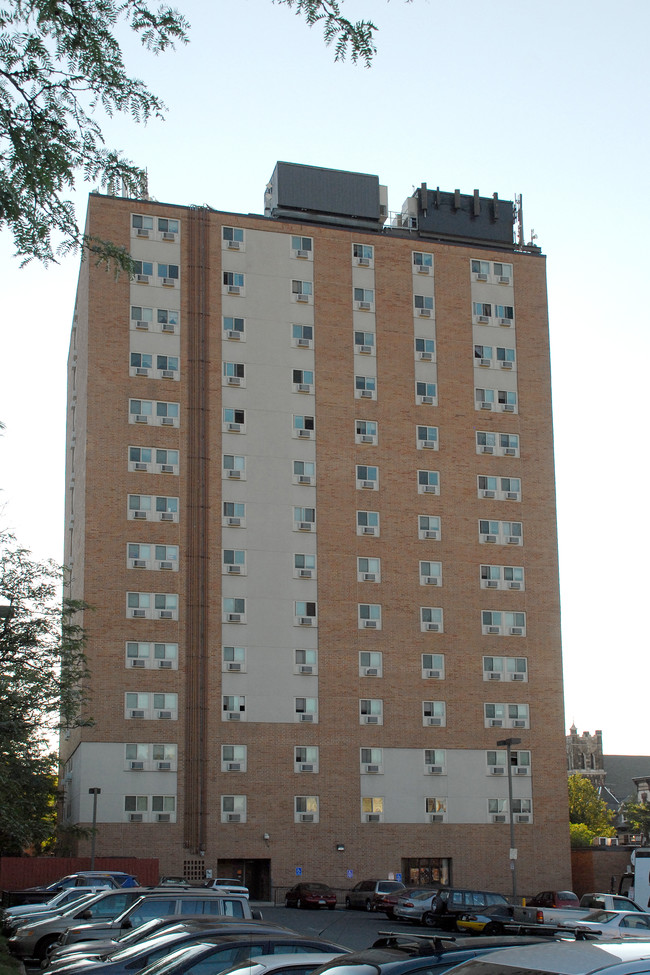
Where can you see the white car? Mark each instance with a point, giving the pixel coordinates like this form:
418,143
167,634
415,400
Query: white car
298,963
54,905
563,958
228,884
614,924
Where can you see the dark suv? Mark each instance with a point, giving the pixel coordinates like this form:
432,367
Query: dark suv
450,902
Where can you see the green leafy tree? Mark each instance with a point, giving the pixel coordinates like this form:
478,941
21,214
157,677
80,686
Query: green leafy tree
41,674
637,815
581,836
353,38
587,809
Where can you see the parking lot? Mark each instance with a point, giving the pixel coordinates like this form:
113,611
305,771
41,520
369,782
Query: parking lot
352,929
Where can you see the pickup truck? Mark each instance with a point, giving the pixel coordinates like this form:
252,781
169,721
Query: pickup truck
557,916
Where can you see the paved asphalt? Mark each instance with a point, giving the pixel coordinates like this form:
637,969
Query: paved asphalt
351,929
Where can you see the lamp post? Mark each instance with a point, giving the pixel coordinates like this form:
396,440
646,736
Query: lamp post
507,743
94,793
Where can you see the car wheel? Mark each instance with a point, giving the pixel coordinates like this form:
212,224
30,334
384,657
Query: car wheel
429,920
40,951
348,905
368,906
493,928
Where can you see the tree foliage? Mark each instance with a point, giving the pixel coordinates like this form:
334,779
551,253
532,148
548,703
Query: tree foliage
42,667
348,37
587,808
59,63
637,815
581,836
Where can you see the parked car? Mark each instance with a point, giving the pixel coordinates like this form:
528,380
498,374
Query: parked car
564,958
87,878
229,884
291,964
488,921
614,924
213,956
368,895
442,907
609,902
554,898
419,955
389,901
311,895
13,917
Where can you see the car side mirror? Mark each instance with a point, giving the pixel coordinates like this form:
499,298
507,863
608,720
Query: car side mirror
256,914
126,924
87,916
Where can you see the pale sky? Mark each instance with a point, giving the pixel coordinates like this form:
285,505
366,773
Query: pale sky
546,99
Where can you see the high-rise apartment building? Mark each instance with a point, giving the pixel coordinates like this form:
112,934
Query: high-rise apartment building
311,503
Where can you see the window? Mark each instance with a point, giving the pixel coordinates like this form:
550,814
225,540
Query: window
302,291
303,427
522,810
140,410
167,319
510,488
519,761
371,663
167,414
168,228
509,444
138,556
234,514
433,666
429,527
305,662
233,659
372,809
306,758
500,444
428,482
423,305
364,343
422,263
365,387
484,399
367,523
426,393
233,238
481,269
166,557
167,367
365,431
234,374
166,461
497,810
486,443
234,609
142,271
435,810
304,566
163,809
371,711
304,519
431,619
233,758
233,707
234,561
156,656
151,706
434,714
505,668
430,573
425,349
140,364
364,299
305,809
138,605
505,357
233,328
504,313
233,809
502,272
168,274
502,577
234,467
369,616
303,380
142,318
304,613
367,478
483,355
306,709
427,438
368,570
363,254
302,336
435,761
233,282
136,808
165,606
372,761
507,401
487,487
482,312
304,472
141,224
504,624
234,421
144,605
506,715
500,532
141,507
301,247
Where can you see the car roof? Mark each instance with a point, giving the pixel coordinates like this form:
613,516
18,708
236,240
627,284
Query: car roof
265,962
564,958
188,952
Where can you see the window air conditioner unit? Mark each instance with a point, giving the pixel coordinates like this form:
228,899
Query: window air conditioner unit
435,769
233,767
163,818
302,343
233,617
423,269
139,515
167,327
236,474
503,279
514,585
368,485
166,468
168,236
306,817
234,380
370,671
142,232
510,452
514,540
430,489
167,421
303,387
372,769
137,663
364,349
436,818
498,819
305,526
494,674
425,356
369,576
516,631
306,434
166,516
485,449
136,766
166,614
233,817
481,277
307,768
367,438
363,261
163,766
139,467
164,715
165,664
493,629
370,718
135,817
306,620
165,565
490,539
233,245
233,715
142,278
373,817
433,627
491,584
138,614
305,669
483,319
307,717
304,255
369,624
506,365
304,479
234,570
369,530
234,289
522,819
167,373
485,362
141,371
517,677
303,298
521,770
496,723
497,770
434,722
233,427
365,393
508,407
143,325
486,406
233,665
233,522
505,321
305,574
364,306
137,714
489,494
436,674
233,334
168,282
518,724
430,444
427,400
432,580
430,534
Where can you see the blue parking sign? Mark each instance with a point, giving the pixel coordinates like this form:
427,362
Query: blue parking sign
298,871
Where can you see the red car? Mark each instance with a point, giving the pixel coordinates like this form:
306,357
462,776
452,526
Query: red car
311,895
554,898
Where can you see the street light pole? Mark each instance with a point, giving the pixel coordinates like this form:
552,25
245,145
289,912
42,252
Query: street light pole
508,743
94,793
